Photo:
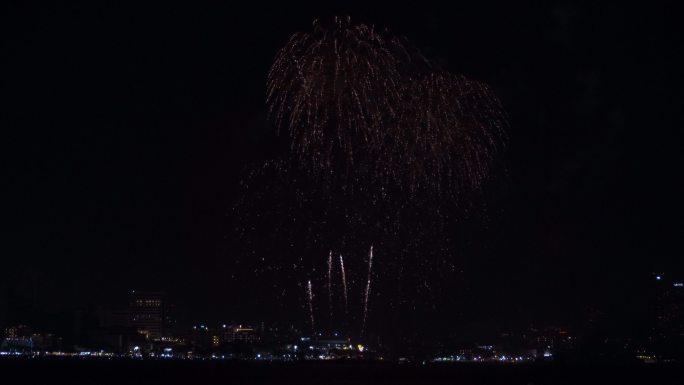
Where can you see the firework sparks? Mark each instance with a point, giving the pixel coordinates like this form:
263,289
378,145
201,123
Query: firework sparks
334,90
359,103
367,292
309,293
330,304
344,287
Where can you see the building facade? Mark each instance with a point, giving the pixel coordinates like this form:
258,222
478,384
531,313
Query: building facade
148,313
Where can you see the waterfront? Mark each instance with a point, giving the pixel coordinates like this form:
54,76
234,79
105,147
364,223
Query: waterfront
102,371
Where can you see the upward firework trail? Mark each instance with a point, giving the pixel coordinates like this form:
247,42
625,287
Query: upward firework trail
311,314
344,287
368,285
330,306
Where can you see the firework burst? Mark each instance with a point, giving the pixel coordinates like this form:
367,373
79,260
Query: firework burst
364,105
335,91
447,137
384,148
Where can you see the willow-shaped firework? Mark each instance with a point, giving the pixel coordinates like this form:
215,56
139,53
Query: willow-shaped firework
448,135
336,91
365,105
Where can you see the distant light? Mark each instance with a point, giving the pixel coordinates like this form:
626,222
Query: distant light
658,277
679,284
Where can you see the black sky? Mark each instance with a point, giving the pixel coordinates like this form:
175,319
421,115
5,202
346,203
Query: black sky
125,130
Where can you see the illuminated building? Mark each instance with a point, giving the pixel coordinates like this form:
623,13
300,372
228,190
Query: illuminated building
240,333
148,311
19,331
669,307
18,338
203,338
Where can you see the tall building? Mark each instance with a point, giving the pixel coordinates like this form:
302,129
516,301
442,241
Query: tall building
667,317
239,333
669,307
19,331
148,313
18,339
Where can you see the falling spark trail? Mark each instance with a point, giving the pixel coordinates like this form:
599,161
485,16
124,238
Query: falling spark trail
352,98
368,285
330,305
344,287
310,295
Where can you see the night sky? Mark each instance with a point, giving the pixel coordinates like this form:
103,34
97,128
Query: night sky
126,131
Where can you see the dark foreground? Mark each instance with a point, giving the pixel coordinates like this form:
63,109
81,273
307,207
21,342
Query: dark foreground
76,371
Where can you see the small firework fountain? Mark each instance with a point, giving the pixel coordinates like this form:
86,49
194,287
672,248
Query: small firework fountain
366,293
